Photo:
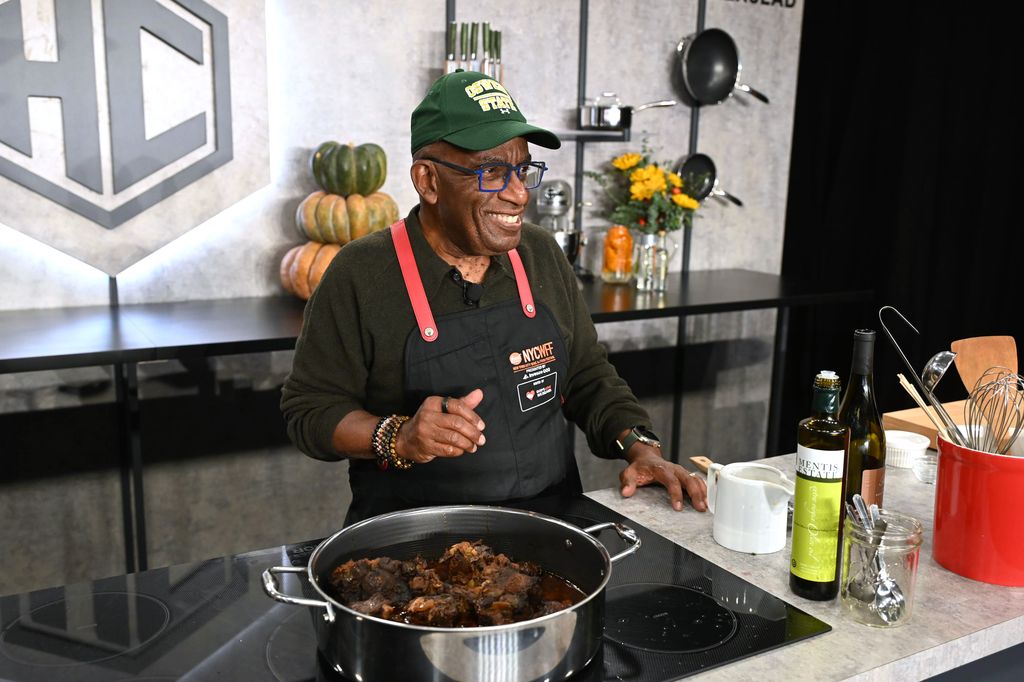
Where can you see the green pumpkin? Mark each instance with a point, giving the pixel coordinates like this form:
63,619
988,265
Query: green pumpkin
346,169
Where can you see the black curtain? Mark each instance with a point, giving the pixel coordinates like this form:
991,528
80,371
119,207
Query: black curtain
905,180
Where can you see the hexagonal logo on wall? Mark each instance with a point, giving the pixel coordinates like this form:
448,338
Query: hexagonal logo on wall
110,108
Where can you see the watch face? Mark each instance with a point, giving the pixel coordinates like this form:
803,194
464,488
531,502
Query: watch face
646,434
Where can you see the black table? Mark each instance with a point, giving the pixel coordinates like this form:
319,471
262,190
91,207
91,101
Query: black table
123,336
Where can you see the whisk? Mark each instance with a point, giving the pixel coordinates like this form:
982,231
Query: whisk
994,413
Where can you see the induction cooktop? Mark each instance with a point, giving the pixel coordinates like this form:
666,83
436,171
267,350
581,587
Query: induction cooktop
669,614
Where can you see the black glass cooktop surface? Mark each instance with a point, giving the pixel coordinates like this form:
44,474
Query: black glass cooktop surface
669,614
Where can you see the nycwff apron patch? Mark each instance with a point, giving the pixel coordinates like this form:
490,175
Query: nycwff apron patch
538,380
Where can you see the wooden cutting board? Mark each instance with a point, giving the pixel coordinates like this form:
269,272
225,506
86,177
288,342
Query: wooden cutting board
915,420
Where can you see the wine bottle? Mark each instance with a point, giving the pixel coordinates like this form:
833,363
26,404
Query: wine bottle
865,464
817,505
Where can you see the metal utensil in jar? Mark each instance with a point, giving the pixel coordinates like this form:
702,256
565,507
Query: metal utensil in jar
994,413
888,602
940,411
936,368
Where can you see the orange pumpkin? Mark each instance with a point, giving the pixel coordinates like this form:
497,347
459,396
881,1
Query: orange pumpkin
335,219
303,267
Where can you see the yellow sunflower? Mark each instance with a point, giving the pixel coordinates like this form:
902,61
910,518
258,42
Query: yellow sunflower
640,191
626,161
686,201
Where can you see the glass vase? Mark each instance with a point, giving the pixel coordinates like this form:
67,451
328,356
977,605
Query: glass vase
653,253
617,267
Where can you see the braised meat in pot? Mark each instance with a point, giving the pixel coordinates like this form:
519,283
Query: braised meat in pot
468,586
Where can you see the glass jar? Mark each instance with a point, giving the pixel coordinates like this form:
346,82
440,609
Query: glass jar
618,255
877,564
653,253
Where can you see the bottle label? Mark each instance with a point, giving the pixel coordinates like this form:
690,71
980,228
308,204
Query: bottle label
872,486
819,491
824,465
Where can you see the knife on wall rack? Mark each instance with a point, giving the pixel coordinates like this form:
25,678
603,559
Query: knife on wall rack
464,56
474,60
496,68
450,64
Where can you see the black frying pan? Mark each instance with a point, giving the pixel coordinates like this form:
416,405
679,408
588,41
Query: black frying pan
710,67
700,179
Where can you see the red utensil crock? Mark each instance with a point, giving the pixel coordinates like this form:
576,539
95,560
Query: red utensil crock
979,514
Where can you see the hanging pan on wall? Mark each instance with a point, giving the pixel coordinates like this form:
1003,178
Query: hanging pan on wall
709,67
700,179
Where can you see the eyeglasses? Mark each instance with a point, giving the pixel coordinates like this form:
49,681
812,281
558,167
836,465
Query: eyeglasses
494,177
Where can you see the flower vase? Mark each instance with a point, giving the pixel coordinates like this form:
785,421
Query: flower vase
617,267
653,253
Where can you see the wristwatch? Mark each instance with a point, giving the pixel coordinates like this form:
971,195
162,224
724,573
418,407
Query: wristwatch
637,433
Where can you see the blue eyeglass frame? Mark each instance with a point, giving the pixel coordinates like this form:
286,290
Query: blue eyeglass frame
479,172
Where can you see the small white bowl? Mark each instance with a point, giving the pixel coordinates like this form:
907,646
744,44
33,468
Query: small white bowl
903,448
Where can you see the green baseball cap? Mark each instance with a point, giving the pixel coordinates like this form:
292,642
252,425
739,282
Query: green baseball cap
475,112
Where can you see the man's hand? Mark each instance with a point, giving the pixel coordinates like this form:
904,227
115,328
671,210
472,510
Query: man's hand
646,465
432,433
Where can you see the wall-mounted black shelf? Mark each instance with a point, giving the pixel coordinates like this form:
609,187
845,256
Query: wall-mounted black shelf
593,135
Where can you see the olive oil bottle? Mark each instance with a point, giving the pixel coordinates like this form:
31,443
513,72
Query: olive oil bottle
865,465
822,443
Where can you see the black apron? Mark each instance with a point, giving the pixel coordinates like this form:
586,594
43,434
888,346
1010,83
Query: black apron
515,353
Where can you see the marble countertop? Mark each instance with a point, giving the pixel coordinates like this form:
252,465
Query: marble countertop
955,620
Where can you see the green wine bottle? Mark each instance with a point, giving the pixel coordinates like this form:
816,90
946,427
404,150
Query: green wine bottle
865,464
817,505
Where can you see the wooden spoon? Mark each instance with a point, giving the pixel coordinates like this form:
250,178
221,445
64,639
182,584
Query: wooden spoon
979,353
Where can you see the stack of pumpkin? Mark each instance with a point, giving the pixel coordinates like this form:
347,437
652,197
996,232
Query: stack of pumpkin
347,206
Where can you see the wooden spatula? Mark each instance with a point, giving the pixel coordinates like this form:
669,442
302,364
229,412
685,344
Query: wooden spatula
979,353
702,463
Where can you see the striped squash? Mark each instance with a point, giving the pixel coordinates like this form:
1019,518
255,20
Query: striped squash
332,218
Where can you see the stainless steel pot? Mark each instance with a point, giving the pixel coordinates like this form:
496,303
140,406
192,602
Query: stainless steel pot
606,113
550,647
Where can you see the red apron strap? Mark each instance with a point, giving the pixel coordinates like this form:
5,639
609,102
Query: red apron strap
525,294
413,283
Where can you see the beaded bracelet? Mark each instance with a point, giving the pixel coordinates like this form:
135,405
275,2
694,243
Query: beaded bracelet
393,457
378,443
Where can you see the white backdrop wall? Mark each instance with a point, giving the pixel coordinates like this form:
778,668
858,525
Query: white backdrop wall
349,71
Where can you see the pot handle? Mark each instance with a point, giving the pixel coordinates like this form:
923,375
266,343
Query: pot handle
627,534
749,90
659,103
718,192
270,587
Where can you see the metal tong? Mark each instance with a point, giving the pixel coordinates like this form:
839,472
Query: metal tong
951,428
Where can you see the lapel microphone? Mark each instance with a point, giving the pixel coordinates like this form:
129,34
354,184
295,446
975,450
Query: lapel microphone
471,291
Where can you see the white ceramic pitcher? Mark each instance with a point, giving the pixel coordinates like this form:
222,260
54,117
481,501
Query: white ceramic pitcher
750,504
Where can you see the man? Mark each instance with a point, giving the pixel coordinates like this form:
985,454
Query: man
440,356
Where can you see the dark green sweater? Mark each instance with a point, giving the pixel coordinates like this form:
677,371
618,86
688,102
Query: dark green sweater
349,355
